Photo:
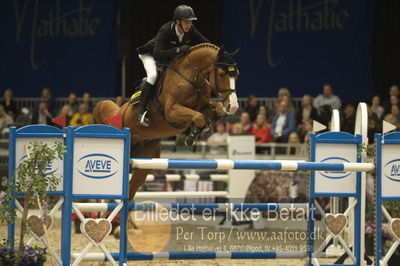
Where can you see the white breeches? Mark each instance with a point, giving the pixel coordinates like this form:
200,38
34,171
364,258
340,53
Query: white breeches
150,66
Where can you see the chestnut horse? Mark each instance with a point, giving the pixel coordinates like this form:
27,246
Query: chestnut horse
183,103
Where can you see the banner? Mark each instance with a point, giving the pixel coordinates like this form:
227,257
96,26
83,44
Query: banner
66,45
301,45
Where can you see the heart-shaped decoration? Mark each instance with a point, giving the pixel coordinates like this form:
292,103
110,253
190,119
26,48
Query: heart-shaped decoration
395,228
35,224
96,229
335,223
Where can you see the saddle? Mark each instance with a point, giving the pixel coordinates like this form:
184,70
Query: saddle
135,98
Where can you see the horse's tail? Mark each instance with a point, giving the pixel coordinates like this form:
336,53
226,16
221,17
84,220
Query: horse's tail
104,110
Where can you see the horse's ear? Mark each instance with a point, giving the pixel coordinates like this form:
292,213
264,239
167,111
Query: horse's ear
221,50
235,53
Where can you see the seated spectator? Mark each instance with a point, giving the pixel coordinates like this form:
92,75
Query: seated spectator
283,94
5,120
394,100
327,98
305,129
48,98
349,119
393,91
67,111
293,144
261,130
252,107
307,111
376,107
87,99
218,138
73,102
9,104
42,114
244,126
283,123
119,101
83,117
325,114
394,116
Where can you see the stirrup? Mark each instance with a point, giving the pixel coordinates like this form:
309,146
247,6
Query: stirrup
142,120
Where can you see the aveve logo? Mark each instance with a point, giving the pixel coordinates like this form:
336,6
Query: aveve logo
391,170
51,168
335,174
97,166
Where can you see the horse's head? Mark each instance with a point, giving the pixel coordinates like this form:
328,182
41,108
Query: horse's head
223,79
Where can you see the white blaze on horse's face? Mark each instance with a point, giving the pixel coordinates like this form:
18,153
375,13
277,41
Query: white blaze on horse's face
231,104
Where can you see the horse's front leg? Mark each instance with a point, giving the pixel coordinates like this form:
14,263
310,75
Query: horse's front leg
180,114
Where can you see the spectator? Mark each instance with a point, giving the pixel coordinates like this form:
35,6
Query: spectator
374,125
393,91
305,129
73,102
325,114
5,120
283,123
293,144
349,119
283,95
87,99
244,126
394,116
394,100
376,107
261,130
83,117
307,111
252,107
67,111
9,104
327,98
119,101
218,138
48,98
42,114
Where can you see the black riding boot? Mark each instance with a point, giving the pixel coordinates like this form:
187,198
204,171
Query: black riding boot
142,118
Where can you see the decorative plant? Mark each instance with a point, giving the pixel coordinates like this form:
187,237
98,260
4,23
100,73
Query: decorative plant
29,178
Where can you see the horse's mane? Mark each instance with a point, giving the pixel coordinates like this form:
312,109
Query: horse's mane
203,45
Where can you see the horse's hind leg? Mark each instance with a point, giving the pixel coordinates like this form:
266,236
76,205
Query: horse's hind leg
146,149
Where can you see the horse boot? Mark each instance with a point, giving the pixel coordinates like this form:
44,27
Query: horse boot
142,118
193,134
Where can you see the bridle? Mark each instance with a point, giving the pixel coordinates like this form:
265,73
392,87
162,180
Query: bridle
229,69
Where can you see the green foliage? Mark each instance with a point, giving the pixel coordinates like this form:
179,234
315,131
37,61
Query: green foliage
31,179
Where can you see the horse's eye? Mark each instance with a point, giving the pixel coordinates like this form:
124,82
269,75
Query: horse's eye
222,75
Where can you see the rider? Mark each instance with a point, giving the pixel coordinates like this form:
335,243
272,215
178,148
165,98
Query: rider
173,38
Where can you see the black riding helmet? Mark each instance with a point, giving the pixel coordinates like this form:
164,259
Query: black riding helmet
184,12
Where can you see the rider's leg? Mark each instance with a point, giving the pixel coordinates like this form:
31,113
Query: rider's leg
146,88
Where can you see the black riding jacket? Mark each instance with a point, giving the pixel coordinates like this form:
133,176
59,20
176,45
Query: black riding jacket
163,46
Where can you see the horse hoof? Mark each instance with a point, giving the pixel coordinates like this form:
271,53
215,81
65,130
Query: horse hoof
189,141
180,140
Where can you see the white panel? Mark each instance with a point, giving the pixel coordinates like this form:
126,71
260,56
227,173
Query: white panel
240,148
98,166
390,170
55,167
335,181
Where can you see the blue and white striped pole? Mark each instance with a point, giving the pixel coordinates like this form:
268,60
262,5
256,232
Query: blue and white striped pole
249,164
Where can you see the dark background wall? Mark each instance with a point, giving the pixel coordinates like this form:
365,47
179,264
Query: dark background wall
386,56
92,62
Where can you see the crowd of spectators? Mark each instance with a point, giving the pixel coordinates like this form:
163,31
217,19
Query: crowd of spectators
282,122
78,112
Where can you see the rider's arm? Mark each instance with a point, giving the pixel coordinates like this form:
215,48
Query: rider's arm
162,52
